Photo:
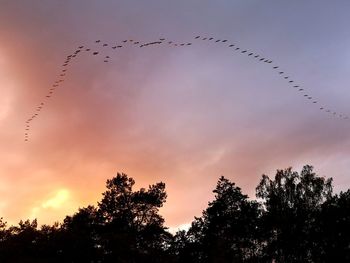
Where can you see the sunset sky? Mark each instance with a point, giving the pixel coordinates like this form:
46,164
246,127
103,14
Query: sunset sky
181,115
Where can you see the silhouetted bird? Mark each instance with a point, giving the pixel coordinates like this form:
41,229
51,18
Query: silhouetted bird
281,72
98,41
244,51
95,53
225,40
291,81
217,40
275,67
250,54
211,38
105,45
162,39
231,45
197,37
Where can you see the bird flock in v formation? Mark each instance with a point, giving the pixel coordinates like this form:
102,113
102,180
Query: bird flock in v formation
96,51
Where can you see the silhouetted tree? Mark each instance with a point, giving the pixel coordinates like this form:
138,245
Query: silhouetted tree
296,219
133,229
227,230
79,237
333,229
292,202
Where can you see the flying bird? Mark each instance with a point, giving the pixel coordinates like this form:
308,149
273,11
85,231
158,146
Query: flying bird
95,53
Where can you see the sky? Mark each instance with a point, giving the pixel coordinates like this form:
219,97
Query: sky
184,115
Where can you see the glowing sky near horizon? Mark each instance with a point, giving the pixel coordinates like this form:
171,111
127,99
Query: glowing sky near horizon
182,116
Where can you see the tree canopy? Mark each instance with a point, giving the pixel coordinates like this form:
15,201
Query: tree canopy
294,218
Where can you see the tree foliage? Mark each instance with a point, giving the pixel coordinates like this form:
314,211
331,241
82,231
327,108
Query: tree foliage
295,218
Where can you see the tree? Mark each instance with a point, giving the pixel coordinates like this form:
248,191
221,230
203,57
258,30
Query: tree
133,229
291,203
227,230
79,239
333,228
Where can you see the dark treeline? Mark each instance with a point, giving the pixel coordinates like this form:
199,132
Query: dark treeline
295,218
